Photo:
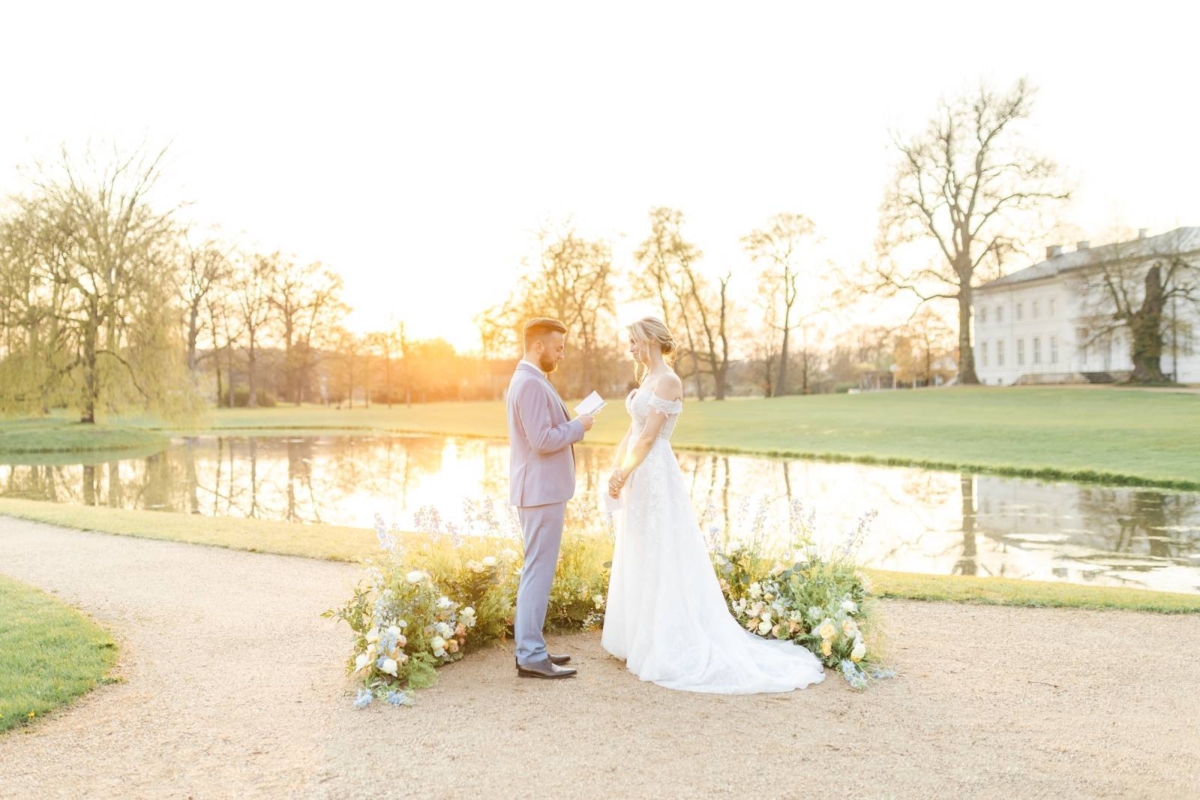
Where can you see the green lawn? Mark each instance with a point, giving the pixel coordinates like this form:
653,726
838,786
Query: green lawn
44,440
49,653
1128,436
1125,436
355,544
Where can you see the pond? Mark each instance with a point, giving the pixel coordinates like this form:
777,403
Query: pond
928,521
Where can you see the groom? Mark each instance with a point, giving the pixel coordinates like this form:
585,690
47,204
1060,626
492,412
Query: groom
541,435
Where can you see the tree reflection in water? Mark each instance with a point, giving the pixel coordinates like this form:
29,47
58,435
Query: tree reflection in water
928,521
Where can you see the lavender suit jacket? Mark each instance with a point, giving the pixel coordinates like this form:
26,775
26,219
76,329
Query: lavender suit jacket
540,435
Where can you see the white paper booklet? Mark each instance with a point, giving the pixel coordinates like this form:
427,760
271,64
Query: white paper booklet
591,405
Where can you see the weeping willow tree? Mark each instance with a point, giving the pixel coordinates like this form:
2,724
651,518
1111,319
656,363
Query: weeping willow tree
89,280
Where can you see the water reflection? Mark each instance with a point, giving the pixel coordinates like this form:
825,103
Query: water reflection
928,521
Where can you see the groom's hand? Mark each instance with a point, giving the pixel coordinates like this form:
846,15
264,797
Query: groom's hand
587,420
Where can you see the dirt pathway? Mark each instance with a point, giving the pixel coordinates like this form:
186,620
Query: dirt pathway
233,687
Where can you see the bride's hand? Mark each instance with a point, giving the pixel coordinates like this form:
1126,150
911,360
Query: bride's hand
615,483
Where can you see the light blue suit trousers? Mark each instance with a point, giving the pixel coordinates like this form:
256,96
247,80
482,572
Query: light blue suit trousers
543,527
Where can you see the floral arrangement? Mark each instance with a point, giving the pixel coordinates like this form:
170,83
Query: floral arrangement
783,587
453,589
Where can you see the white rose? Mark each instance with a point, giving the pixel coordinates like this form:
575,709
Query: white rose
444,603
390,666
373,635
393,631
859,651
415,576
489,561
849,606
444,630
438,646
766,618
360,662
764,628
467,612
755,591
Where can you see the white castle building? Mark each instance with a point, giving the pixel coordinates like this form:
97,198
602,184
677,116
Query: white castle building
1031,326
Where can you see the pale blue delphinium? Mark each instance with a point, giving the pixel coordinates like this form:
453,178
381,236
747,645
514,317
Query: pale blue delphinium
396,698
387,542
364,698
853,675
882,673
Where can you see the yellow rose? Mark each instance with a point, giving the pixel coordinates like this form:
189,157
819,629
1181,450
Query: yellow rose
826,647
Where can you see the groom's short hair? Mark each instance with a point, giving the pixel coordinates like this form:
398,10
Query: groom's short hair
539,327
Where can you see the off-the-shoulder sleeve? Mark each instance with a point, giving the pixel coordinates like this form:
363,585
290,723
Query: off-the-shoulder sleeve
667,407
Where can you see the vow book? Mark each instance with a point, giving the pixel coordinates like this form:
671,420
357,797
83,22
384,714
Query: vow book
591,405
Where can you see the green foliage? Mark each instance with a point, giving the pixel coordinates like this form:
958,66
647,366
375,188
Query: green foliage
49,654
241,399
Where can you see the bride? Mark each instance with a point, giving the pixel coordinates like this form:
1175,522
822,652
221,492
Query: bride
666,616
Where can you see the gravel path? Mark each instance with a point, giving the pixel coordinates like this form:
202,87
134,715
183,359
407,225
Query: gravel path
233,687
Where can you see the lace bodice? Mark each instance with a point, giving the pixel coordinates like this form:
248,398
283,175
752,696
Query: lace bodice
641,400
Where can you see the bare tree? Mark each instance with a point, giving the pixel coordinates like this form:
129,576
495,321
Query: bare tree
1137,287
306,301
780,247
967,185
668,272
251,282
388,345
923,347
205,269
573,282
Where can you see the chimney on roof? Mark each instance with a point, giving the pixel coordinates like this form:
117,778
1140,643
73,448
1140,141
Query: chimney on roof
1081,246
1142,232
1054,250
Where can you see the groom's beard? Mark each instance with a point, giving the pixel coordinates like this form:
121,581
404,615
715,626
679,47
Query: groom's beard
547,364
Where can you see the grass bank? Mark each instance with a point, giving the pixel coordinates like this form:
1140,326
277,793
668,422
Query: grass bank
1128,437
355,544
43,440
49,654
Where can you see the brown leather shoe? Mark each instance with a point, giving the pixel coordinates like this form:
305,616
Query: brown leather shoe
544,669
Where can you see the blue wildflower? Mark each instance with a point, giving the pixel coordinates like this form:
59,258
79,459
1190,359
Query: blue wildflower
853,675
396,698
364,698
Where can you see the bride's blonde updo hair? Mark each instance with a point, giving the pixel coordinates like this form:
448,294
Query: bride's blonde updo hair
653,330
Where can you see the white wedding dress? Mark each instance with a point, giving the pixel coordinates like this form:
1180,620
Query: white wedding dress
666,616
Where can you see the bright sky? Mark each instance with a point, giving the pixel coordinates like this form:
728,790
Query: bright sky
416,147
